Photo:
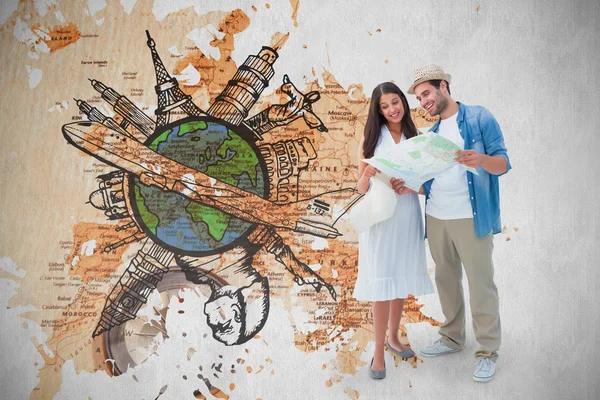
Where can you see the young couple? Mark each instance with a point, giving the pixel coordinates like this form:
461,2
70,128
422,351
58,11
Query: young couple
462,214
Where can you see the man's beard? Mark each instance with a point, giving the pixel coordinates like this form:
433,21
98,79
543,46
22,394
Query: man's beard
440,104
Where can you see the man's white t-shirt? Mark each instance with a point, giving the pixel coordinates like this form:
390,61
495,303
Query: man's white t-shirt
449,195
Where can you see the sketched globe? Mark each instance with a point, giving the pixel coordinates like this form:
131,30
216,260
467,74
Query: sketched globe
223,151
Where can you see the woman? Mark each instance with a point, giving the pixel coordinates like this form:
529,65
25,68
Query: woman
391,260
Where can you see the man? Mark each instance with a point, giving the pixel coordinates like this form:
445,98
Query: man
462,214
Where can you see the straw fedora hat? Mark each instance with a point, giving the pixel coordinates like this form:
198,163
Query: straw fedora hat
429,72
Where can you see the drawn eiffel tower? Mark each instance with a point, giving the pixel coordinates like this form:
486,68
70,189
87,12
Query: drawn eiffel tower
152,261
167,88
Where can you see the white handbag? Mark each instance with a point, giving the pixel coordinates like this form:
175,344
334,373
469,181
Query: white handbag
378,204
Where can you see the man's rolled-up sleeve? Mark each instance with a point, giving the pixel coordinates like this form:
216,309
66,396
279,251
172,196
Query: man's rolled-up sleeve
493,140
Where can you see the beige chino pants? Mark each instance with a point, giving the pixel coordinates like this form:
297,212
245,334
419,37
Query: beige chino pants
452,242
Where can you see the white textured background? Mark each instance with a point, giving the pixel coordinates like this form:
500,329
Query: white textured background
536,66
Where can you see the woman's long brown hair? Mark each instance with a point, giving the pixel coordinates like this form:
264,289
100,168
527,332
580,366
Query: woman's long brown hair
376,120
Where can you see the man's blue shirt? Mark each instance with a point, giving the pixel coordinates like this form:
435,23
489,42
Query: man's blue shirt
481,132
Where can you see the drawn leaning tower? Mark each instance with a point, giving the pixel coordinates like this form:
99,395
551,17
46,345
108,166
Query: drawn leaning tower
167,88
242,91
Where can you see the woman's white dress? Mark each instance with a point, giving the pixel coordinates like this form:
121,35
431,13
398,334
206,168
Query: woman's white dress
391,253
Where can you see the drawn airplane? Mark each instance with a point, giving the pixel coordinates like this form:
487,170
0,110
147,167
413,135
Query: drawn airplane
153,169
315,216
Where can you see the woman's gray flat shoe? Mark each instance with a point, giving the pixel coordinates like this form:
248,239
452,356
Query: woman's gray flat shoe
376,374
404,354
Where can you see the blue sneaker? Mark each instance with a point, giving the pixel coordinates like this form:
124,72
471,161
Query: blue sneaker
436,349
484,370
